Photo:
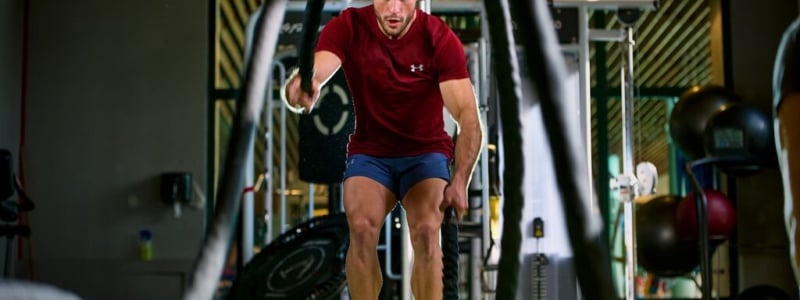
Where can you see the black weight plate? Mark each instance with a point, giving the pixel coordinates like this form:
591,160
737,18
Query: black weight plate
306,262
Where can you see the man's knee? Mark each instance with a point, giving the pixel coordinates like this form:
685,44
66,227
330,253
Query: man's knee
425,237
364,231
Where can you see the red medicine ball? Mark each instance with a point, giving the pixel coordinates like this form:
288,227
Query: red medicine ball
721,216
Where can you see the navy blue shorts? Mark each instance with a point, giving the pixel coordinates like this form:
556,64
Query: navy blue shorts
398,174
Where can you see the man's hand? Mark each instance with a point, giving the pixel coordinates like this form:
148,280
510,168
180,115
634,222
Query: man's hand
297,100
455,195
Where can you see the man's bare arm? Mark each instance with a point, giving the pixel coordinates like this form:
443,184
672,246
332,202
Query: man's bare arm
325,65
460,101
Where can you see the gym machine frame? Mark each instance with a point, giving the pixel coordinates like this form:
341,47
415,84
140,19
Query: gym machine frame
627,180
626,36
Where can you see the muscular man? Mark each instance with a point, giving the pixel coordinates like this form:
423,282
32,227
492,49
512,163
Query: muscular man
402,66
786,89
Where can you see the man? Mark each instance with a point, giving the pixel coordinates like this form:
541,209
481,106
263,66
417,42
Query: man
786,103
402,65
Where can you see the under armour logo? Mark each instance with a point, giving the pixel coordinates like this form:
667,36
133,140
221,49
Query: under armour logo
419,67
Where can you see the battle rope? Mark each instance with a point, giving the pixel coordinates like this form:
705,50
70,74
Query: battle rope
450,254
548,73
510,94
211,258
308,43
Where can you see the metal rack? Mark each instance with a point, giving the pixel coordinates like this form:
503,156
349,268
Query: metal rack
740,163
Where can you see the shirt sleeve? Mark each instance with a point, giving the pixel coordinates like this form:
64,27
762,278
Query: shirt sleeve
450,56
335,36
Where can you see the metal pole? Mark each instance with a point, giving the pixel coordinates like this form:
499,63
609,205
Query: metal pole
585,91
282,225
269,135
425,5
269,217
480,246
268,181
626,184
585,101
311,201
388,224
483,93
247,209
407,256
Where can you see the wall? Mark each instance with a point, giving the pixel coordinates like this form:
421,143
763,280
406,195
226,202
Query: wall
10,83
755,29
10,69
117,95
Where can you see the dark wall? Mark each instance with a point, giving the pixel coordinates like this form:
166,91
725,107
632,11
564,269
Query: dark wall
10,81
755,29
117,94
10,70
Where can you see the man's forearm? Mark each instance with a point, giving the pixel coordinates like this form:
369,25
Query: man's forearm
468,146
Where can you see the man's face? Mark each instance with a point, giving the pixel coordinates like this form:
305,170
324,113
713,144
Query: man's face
394,15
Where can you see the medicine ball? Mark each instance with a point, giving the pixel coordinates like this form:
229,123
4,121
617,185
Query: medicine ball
688,119
741,130
659,246
719,213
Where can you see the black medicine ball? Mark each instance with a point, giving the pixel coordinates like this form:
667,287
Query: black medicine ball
688,118
740,130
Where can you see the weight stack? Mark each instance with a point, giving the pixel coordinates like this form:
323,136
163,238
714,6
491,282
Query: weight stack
548,277
539,276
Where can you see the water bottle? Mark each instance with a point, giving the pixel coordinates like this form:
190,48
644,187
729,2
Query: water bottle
145,245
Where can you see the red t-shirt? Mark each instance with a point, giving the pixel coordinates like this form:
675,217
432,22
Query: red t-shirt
395,83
